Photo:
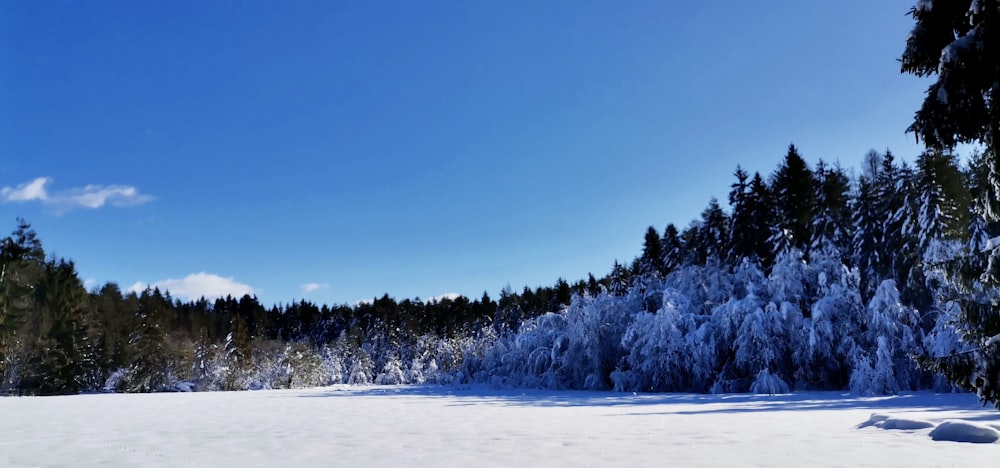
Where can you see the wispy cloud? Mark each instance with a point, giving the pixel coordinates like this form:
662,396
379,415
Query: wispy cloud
28,191
312,287
198,285
89,196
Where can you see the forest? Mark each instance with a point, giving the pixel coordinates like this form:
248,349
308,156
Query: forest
813,278
878,279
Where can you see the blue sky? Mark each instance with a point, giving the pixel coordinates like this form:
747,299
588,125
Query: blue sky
336,151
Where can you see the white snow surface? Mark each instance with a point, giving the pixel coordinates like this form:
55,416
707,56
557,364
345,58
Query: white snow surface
484,426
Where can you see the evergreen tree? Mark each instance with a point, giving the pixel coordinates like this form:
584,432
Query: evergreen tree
620,279
868,236
793,186
831,222
652,262
147,370
959,42
58,355
943,200
743,235
673,249
711,236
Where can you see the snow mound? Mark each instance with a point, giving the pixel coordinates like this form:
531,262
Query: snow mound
884,421
964,431
874,420
903,424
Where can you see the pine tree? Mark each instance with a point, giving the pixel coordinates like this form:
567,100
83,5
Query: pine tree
867,235
831,222
742,235
651,262
21,265
793,186
59,350
959,42
620,279
943,198
712,234
673,249
147,370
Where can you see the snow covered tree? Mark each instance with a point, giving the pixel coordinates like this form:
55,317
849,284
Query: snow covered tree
673,250
943,199
239,354
959,42
832,327
663,350
867,237
762,348
883,363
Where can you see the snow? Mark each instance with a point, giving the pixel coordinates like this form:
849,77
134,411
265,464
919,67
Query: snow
484,426
992,340
992,244
950,54
964,431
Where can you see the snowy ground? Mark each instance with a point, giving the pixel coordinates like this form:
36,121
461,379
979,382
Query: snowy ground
480,426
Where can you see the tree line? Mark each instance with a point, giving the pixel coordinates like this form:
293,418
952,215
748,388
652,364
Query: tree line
890,222
813,278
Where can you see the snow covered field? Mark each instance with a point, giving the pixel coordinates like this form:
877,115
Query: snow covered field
482,426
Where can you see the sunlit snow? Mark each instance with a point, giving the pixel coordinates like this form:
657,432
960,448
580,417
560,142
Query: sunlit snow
482,426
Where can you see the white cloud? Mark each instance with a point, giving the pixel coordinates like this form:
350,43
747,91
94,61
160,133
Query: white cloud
34,190
96,196
196,285
90,196
89,283
449,296
311,287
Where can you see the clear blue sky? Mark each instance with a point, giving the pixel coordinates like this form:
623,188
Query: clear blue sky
417,148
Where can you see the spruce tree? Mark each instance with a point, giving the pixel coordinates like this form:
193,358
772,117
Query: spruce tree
60,356
713,233
651,261
831,222
793,186
959,43
673,249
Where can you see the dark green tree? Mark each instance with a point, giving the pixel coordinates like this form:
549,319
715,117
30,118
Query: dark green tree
60,356
831,221
651,262
147,371
750,228
673,249
793,189
867,239
22,261
959,43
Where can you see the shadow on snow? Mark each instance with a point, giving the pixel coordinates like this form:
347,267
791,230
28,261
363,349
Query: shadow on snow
465,395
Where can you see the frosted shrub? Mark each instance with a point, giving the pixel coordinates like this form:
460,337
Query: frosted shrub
767,383
360,370
392,373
